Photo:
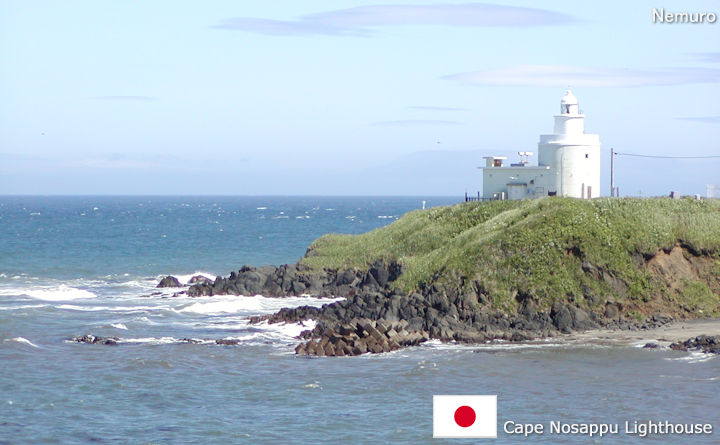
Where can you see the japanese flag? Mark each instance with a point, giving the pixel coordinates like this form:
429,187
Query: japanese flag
465,416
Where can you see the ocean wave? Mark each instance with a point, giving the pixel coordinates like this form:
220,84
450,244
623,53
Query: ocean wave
185,278
251,339
249,305
237,304
289,330
501,345
57,293
119,326
22,340
693,357
24,306
110,308
160,340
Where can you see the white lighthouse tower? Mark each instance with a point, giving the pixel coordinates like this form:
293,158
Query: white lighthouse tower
573,155
568,163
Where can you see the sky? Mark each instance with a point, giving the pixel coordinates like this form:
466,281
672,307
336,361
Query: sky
345,97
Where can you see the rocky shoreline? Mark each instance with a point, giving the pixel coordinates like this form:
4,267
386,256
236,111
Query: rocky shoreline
376,317
503,270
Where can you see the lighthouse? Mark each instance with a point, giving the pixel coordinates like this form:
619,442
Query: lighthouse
568,162
573,155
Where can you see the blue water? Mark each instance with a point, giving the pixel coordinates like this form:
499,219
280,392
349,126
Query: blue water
76,265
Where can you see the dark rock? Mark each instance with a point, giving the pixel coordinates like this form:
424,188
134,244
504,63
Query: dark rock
561,317
611,310
88,338
661,319
199,279
200,290
169,281
190,341
227,341
380,273
651,346
703,343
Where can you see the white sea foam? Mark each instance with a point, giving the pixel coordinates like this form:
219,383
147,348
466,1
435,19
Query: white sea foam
124,309
58,293
25,306
155,340
505,346
290,330
255,305
224,306
22,340
185,278
261,208
119,326
694,357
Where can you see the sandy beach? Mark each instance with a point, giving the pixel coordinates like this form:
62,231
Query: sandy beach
664,335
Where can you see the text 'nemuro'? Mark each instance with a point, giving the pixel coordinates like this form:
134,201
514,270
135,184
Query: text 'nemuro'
660,16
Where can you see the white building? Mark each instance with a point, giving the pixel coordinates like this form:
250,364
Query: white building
568,162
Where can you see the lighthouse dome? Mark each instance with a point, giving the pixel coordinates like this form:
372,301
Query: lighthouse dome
569,99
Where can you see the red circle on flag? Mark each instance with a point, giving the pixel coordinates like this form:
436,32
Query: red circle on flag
464,416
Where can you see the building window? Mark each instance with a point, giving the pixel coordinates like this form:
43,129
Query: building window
587,156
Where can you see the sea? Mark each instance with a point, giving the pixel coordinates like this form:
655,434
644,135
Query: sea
75,265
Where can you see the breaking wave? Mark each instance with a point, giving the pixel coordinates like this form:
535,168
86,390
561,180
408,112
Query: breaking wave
59,293
22,340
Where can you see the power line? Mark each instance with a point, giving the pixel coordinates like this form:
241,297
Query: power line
666,157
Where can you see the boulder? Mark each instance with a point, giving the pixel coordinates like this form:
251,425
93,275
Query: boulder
169,281
199,279
88,338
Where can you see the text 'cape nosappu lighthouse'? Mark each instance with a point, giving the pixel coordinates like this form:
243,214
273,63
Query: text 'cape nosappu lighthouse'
568,163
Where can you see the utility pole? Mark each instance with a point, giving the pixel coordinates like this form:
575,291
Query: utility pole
612,183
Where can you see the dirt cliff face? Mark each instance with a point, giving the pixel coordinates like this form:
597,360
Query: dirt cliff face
678,265
691,281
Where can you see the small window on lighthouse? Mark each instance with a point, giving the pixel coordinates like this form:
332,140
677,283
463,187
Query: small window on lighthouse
587,156
567,109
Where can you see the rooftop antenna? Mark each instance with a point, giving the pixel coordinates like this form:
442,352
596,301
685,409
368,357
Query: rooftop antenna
525,156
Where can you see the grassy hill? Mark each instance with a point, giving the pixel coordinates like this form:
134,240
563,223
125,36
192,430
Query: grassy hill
649,255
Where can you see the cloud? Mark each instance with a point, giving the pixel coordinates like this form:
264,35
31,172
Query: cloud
126,98
355,21
418,122
287,28
556,76
431,108
707,57
703,119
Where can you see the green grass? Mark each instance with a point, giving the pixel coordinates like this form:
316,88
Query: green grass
534,246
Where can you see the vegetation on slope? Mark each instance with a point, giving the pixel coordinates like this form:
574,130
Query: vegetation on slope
583,251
